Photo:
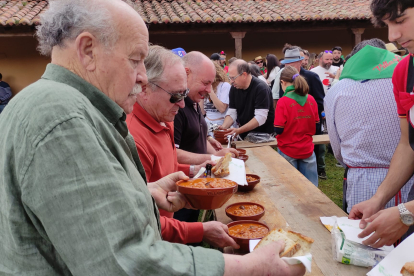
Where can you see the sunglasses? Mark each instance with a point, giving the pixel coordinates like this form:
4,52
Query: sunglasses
175,97
258,62
328,52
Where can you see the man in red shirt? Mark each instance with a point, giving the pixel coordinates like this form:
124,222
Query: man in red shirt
150,123
391,224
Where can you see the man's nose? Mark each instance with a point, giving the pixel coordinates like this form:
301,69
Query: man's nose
393,32
181,104
142,75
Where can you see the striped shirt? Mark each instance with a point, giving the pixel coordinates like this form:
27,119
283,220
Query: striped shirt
364,131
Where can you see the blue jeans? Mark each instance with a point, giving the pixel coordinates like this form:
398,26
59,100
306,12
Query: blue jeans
306,166
2,106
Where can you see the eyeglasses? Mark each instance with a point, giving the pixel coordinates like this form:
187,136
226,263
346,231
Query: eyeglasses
258,62
235,77
328,52
175,97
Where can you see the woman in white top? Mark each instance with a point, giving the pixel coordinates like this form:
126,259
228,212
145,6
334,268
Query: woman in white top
273,67
215,105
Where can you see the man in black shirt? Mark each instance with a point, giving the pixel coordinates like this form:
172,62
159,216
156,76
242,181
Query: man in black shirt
337,53
250,102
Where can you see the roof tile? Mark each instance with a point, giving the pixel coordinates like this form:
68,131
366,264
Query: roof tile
27,12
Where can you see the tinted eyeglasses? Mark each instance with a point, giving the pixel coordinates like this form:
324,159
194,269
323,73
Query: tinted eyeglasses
175,97
328,52
259,61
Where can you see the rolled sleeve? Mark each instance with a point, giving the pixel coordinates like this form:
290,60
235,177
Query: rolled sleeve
261,115
232,112
99,221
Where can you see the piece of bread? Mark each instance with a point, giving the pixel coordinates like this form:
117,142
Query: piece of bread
408,269
295,244
221,169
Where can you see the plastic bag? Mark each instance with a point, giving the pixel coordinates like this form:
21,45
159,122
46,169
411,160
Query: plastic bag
257,137
348,252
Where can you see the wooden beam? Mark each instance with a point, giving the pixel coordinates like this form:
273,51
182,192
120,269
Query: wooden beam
238,36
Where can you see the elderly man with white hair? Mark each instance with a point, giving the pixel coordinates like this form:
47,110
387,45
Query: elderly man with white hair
73,195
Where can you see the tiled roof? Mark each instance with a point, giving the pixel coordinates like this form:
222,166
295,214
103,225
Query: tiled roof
14,12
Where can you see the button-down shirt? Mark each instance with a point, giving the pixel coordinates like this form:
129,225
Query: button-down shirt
364,131
73,196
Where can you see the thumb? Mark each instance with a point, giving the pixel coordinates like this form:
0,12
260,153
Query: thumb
281,245
232,243
364,221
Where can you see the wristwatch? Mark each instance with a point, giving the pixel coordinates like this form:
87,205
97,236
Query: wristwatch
406,216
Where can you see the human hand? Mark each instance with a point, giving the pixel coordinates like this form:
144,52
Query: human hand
364,210
234,152
222,128
338,73
215,144
234,131
164,193
387,227
332,76
217,234
271,264
198,167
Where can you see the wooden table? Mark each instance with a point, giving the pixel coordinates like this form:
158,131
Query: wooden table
292,202
317,140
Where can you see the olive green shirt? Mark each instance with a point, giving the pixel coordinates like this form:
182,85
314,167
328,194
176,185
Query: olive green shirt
73,196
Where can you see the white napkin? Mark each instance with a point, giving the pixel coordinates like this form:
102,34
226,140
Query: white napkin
305,260
393,262
237,170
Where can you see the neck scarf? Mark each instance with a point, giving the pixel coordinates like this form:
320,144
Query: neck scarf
290,93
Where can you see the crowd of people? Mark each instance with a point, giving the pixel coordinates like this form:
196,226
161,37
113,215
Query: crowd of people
91,152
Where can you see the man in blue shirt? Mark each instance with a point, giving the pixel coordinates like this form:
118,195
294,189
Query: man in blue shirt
5,93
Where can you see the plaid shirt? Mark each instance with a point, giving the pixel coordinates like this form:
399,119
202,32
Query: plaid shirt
364,131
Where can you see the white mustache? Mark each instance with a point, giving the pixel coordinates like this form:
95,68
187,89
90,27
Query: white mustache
136,90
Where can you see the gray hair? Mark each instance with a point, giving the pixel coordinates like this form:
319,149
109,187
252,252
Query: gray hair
157,60
374,42
242,66
66,19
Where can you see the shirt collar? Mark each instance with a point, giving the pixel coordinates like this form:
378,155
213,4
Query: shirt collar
146,118
112,111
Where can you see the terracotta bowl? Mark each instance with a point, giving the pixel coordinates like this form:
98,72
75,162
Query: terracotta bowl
241,151
221,132
252,217
221,140
208,198
243,157
243,242
250,185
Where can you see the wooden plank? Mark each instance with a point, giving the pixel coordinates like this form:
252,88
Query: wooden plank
273,218
301,204
317,140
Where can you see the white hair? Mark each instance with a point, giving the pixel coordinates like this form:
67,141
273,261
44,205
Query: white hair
157,60
66,19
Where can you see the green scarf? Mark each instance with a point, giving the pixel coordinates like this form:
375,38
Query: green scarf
290,93
371,63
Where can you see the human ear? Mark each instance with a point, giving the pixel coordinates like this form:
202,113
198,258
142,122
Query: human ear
86,45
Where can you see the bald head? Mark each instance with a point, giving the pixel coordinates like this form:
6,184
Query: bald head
201,73
241,66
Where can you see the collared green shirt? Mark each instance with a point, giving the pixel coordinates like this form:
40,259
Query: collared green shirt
73,196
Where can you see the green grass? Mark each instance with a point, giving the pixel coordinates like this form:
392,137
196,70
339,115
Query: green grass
332,187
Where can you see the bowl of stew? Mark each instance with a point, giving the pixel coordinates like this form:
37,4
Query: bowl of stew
243,231
245,211
243,157
252,181
207,193
241,151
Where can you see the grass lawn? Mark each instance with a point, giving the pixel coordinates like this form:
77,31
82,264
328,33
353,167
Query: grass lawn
332,186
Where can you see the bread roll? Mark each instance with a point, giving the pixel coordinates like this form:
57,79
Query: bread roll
221,169
295,244
408,269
